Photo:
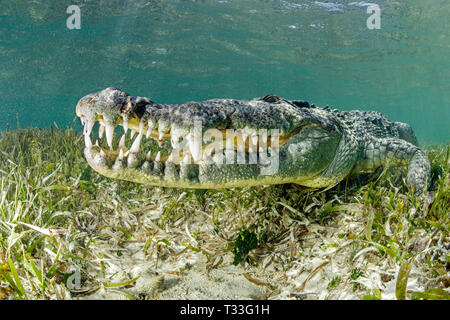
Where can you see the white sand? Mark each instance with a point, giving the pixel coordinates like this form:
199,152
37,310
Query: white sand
319,255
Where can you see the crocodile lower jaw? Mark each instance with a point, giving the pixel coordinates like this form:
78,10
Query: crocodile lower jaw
179,157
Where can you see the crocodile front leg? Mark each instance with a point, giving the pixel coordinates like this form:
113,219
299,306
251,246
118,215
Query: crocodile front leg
396,152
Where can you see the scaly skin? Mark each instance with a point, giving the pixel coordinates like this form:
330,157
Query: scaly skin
316,147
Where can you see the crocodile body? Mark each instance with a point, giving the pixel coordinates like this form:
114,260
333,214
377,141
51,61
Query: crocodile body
223,143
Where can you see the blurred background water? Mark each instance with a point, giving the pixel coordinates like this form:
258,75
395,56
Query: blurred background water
174,51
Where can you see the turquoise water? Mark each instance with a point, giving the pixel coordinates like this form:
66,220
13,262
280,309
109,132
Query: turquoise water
175,51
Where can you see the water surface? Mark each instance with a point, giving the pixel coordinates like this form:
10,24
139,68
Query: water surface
175,51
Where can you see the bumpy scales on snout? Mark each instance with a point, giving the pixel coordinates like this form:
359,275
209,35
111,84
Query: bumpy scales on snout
223,143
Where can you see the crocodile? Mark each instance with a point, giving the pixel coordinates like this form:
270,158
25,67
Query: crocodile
224,143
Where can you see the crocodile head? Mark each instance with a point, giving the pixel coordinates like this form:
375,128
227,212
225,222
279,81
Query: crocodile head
217,143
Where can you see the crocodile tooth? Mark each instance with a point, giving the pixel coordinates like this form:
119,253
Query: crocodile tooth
88,126
132,160
87,141
120,155
158,157
102,153
132,133
148,157
151,125
119,163
170,159
136,144
255,139
175,140
109,134
125,124
176,133
101,131
244,137
158,168
96,143
147,167
163,125
122,142
188,172
170,172
186,159
82,121
194,147
141,126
